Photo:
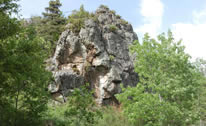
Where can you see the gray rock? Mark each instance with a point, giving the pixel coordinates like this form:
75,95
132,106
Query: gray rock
96,55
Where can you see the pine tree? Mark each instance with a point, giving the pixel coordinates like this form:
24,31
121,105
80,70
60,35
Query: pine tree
52,23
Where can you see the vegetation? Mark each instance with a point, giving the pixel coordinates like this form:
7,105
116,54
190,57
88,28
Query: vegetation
104,6
169,84
113,12
112,28
122,21
111,57
23,79
77,18
80,110
23,76
118,16
112,116
53,23
171,90
8,24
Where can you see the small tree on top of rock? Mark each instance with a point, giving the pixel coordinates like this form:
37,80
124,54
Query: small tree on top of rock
77,18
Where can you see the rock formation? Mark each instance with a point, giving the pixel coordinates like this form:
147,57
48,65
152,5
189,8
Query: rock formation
98,55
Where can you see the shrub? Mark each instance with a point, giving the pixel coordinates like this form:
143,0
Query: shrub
118,16
122,21
113,12
104,6
80,110
112,117
112,28
77,18
93,17
111,57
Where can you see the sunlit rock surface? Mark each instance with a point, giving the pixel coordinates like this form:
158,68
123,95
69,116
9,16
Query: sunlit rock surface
96,55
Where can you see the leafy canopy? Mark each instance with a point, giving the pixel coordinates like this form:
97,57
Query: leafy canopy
77,18
8,25
23,79
80,110
168,89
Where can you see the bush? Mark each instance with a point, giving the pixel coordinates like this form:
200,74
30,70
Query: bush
111,57
113,12
80,110
112,28
118,16
113,117
122,21
104,6
77,18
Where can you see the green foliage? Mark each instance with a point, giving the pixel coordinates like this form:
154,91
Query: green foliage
87,66
111,57
122,21
93,17
52,25
23,79
104,6
118,16
200,64
113,12
80,110
112,28
113,117
145,109
77,18
168,89
8,25
8,6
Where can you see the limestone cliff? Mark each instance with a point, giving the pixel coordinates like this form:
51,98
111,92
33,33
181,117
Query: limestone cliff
98,54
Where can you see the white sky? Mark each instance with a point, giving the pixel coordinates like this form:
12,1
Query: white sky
192,32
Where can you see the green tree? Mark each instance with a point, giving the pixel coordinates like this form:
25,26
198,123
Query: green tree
79,110
8,25
53,23
200,64
168,89
23,79
77,18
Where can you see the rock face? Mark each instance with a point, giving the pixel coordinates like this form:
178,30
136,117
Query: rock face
97,55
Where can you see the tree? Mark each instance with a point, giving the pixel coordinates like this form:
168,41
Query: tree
77,18
8,25
168,89
200,64
53,23
79,110
23,79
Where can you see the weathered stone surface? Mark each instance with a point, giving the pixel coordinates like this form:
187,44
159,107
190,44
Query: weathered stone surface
96,55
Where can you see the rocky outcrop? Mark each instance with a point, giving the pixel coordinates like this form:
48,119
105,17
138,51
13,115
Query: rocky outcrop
98,54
